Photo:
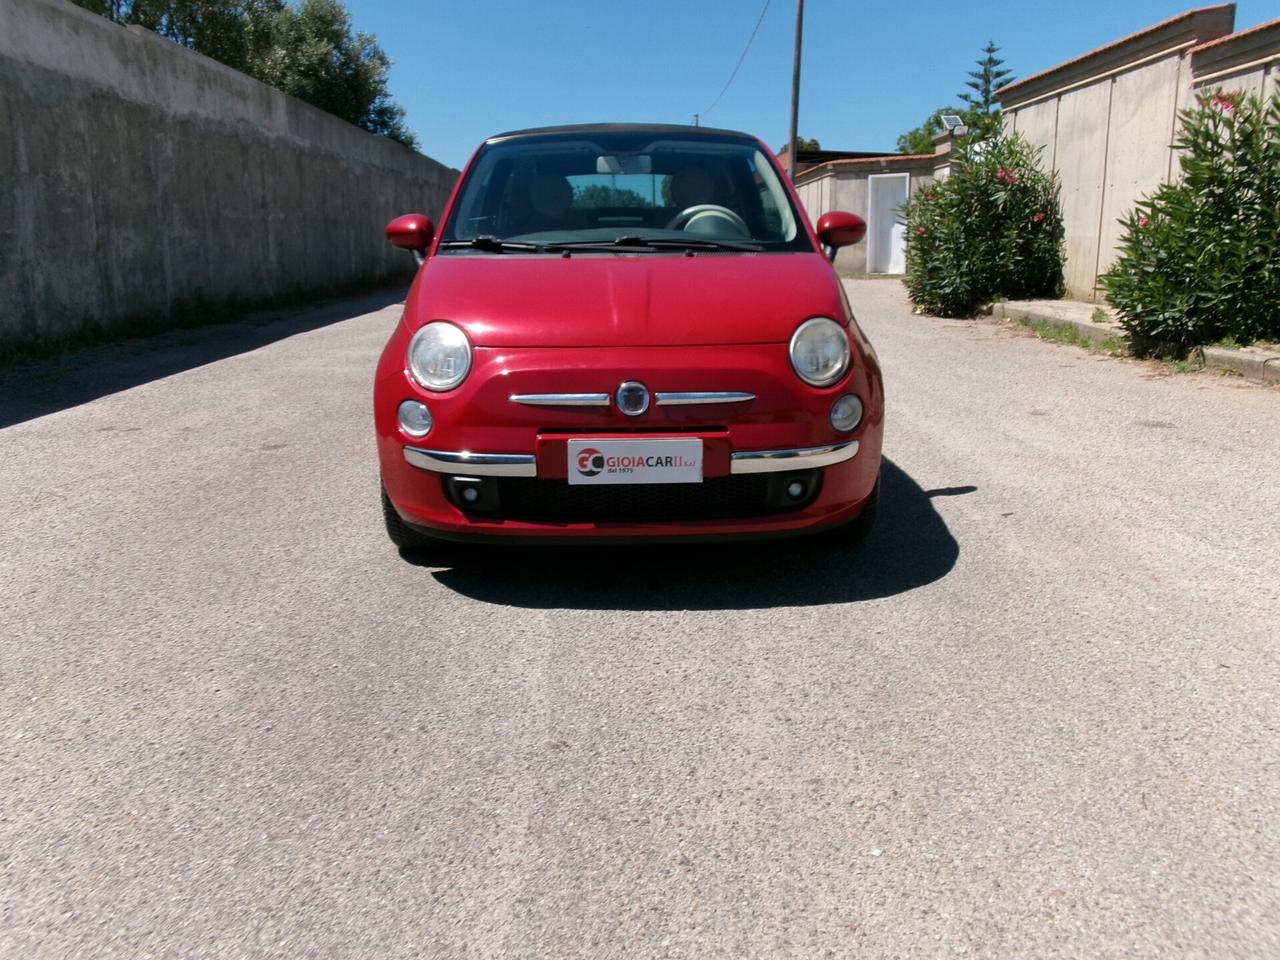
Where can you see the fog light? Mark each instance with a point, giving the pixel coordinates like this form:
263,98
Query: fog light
795,490
415,418
470,494
846,413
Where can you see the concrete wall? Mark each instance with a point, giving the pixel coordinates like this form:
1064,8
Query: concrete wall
842,185
137,176
1107,120
1248,61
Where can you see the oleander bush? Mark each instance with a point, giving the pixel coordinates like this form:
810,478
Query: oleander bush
993,229
1200,258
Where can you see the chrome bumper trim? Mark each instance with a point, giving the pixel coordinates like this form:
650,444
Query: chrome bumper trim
561,399
478,464
775,461
689,399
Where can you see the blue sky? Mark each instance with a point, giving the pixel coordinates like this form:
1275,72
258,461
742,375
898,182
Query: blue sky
465,69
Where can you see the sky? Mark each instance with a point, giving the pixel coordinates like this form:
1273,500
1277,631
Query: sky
467,69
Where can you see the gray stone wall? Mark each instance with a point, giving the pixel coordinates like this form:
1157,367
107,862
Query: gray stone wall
138,177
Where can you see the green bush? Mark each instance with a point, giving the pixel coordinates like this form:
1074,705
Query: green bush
992,229
1200,259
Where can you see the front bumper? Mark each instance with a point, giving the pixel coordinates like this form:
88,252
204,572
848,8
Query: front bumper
426,488
526,464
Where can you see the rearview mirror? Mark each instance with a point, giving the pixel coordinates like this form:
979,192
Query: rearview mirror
413,231
839,229
624,163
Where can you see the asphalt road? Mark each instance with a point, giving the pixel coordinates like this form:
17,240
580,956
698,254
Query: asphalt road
1035,715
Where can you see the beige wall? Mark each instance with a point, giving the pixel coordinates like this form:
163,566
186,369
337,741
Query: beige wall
1110,143
1107,120
1262,81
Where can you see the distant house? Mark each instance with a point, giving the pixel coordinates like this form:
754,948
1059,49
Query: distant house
874,186
1107,119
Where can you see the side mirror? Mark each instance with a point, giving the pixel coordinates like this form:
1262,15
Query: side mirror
413,232
839,229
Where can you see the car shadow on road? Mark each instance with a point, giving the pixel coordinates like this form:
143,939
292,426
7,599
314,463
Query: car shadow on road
67,380
909,548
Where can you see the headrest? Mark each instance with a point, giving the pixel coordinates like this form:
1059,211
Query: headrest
550,195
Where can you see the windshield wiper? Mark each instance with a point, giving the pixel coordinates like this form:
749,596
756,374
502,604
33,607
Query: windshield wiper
492,244
654,243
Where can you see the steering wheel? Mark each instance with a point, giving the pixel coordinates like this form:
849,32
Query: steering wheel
711,219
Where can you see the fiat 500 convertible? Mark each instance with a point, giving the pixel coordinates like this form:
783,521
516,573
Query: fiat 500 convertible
625,331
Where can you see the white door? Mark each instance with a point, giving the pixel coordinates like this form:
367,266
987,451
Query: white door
886,230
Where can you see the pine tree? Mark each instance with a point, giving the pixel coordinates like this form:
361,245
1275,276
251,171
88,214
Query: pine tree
980,111
987,79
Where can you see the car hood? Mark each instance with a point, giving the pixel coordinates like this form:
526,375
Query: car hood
630,300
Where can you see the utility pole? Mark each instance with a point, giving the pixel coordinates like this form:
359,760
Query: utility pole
795,91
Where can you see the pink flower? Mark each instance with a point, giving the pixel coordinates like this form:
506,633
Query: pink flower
1225,102
1037,217
929,197
1006,176
1144,222
920,230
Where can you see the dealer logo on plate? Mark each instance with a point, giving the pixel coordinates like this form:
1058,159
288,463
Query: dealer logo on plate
590,461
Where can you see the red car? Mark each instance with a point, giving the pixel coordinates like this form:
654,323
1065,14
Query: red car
626,331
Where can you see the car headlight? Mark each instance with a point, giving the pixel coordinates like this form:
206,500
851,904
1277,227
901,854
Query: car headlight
819,351
439,356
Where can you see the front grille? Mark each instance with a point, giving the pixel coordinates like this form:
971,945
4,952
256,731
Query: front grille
716,498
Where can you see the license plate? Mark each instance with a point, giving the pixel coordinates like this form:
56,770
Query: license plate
635,461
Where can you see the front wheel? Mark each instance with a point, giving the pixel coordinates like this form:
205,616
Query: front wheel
401,534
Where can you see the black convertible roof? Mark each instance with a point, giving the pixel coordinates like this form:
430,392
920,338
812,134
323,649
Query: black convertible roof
684,130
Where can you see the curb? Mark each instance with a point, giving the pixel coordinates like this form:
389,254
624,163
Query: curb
1250,362
1261,366
1086,328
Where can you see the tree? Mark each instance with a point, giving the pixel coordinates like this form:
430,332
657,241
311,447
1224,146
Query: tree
229,31
315,56
117,10
920,140
807,145
986,80
599,195
234,32
309,51
981,110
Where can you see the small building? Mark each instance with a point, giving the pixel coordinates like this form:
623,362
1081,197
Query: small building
1107,120
874,187
811,158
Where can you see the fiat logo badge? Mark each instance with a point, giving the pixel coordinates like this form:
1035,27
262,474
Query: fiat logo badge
633,398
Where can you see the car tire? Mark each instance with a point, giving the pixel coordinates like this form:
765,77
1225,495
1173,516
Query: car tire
860,527
401,534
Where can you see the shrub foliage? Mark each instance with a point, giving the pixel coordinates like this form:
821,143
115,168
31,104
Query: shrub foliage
992,229
1200,259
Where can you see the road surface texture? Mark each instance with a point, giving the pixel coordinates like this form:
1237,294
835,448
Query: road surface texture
1035,715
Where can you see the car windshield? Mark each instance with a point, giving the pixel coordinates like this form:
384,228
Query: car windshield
627,190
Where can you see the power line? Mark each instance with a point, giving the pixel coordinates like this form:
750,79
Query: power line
738,66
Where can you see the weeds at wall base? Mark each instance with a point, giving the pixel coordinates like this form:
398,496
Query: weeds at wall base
1066,333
